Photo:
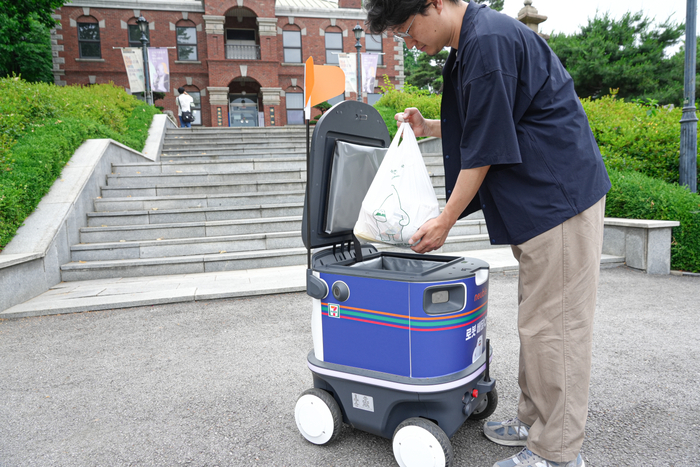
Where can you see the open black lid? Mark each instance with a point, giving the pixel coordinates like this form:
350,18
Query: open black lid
349,121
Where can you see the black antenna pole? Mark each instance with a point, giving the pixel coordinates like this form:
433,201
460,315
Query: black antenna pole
308,195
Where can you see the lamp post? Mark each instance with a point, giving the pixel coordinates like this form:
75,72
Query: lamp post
689,122
358,33
143,27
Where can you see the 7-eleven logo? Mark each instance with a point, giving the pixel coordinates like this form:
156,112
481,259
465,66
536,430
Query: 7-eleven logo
333,310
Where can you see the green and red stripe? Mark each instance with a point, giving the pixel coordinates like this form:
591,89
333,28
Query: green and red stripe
426,323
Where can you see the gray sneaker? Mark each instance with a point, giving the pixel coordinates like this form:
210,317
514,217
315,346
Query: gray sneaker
527,458
512,432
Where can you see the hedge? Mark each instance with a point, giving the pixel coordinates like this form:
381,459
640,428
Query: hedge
640,144
637,196
635,136
42,125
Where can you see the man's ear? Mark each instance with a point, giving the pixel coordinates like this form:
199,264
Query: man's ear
439,5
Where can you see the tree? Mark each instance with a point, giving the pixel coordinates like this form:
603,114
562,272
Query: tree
427,73
493,4
628,54
25,41
409,60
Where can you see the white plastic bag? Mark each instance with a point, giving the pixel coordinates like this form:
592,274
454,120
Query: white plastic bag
401,197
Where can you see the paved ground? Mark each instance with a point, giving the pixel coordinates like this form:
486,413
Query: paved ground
214,383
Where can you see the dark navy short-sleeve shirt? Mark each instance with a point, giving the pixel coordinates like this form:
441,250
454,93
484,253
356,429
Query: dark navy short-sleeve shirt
509,103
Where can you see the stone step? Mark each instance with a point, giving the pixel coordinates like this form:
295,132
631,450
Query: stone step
192,178
225,155
214,138
238,148
194,214
149,203
205,188
214,228
217,137
224,261
211,166
194,188
76,271
237,130
229,165
126,233
148,249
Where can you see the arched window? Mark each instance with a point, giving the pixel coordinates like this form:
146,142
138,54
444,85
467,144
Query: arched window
291,40
135,33
89,37
334,45
186,41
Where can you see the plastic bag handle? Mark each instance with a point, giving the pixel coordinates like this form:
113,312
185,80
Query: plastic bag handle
404,131
397,136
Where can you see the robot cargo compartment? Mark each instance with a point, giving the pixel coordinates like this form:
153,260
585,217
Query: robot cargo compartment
417,324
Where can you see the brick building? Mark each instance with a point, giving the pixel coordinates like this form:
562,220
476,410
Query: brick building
241,60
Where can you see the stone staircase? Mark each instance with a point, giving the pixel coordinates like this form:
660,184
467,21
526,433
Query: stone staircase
218,200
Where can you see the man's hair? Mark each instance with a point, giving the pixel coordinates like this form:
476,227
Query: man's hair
180,90
385,14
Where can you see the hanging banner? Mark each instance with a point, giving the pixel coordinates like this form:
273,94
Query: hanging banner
158,69
348,64
133,61
369,72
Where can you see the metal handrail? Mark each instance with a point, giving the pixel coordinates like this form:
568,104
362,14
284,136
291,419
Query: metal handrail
242,52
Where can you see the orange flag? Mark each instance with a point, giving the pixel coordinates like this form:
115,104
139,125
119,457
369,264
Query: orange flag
321,82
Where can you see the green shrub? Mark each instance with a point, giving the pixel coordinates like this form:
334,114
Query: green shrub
394,100
636,196
635,136
42,125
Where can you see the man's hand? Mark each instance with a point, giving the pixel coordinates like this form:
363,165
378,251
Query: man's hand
431,235
421,126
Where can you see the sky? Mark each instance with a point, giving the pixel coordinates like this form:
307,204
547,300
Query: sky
568,16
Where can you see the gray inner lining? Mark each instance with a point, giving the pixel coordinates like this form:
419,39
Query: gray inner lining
390,263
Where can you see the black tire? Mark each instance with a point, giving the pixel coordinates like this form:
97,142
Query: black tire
485,410
431,428
332,405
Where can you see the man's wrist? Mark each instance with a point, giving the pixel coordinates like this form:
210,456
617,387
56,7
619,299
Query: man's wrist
448,219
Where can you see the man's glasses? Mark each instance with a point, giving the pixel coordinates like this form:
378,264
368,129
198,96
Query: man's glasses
404,35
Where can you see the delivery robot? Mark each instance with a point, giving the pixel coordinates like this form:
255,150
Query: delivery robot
399,339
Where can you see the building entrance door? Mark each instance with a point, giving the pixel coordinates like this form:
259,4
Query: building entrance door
243,110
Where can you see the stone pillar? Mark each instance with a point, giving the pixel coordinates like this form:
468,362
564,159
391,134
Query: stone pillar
218,100
401,67
531,18
267,29
214,28
271,105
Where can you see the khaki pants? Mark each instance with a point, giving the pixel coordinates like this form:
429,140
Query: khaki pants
557,287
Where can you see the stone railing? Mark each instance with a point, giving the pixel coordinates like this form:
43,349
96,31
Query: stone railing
645,244
242,52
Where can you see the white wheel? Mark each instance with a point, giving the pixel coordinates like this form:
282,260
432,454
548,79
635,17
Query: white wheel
419,442
318,416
